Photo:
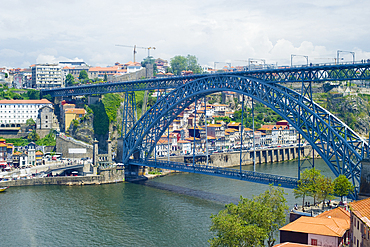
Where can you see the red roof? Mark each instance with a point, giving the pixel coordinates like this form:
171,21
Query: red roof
30,101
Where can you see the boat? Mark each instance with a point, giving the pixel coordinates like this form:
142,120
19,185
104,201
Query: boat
2,189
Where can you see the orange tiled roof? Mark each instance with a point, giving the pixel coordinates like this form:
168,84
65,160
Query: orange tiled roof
214,125
183,141
38,152
288,244
230,130
234,124
162,142
336,213
335,227
75,111
133,64
361,209
29,101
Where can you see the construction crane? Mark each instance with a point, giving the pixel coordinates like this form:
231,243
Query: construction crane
138,47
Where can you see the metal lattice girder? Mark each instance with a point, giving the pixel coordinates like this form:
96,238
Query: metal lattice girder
339,146
344,72
250,176
129,112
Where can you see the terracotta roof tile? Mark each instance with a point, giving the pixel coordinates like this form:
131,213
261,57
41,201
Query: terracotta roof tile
321,226
288,244
361,209
30,101
336,213
75,111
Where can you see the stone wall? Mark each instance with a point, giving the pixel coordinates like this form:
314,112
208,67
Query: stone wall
111,175
129,77
62,146
231,159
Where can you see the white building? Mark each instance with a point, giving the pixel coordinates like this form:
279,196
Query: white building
47,76
16,112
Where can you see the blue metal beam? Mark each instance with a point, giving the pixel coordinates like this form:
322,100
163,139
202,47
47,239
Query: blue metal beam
339,146
250,176
322,73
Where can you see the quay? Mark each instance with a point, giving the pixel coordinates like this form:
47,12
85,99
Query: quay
100,175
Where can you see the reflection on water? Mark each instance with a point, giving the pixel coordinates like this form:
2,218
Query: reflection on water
173,210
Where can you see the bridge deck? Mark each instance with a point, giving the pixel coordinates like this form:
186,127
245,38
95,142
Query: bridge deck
250,176
319,73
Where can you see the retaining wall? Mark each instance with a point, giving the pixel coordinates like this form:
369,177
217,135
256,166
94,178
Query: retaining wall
231,159
62,146
111,175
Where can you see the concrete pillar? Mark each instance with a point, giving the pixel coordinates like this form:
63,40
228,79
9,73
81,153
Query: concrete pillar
95,152
109,150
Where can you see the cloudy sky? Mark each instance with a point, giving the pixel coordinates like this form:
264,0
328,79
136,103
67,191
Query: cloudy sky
44,31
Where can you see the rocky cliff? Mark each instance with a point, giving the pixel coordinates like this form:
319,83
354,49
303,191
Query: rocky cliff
354,110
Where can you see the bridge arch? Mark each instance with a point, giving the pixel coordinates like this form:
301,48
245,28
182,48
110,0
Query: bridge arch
339,146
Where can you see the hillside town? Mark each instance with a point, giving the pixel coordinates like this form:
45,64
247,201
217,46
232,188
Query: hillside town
200,127
203,127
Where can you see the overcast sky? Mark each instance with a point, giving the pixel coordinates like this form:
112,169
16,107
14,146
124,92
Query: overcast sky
44,31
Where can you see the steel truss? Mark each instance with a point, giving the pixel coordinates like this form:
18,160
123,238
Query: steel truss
339,146
344,72
250,176
129,113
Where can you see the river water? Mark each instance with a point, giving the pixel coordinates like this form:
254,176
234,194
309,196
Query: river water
173,210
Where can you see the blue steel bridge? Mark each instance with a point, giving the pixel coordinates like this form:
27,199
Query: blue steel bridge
339,146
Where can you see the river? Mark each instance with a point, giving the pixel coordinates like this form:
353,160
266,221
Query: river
173,210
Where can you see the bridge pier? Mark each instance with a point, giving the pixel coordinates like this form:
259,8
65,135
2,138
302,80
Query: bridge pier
365,178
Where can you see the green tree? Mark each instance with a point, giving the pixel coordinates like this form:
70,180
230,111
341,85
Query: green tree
48,97
33,136
193,64
309,184
33,94
105,77
70,80
342,186
83,75
150,60
251,222
48,140
178,64
30,122
326,189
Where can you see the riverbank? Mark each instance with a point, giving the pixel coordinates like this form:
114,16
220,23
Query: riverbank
106,176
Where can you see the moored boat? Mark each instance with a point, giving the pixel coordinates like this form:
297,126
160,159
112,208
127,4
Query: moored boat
2,189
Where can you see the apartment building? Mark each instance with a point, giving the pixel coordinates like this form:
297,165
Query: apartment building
13,113
360,223
47,76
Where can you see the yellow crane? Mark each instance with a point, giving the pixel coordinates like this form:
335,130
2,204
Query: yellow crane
138,47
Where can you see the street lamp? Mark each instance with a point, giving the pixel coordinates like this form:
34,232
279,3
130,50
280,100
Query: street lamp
255,60
351,52
291,58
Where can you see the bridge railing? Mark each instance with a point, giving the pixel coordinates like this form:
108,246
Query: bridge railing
251,176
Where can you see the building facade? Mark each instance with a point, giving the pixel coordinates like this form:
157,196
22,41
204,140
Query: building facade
360,223
46,119
13,113
47,76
